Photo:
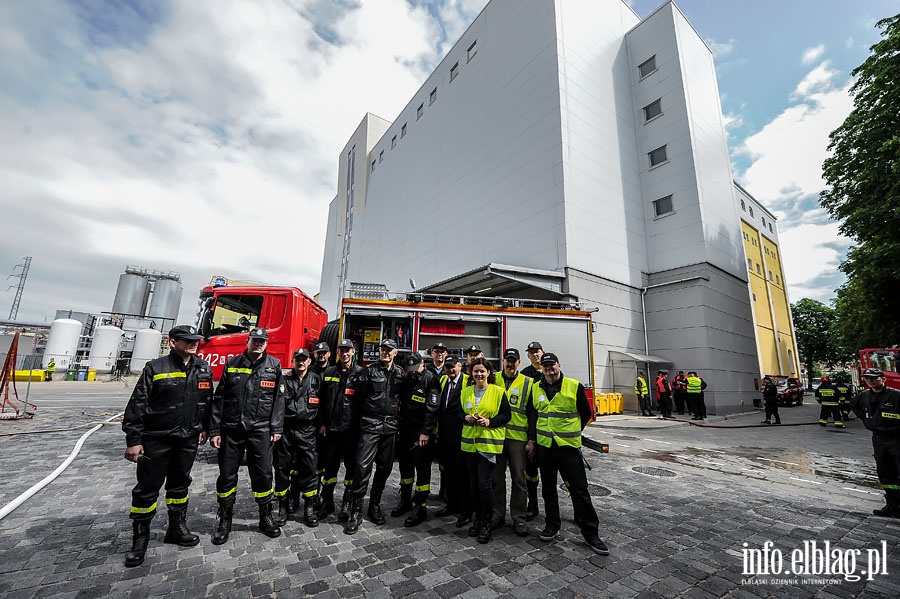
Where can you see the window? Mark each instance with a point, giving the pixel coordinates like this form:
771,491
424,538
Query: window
753,241
454,71
403,131
380,156
393,142
749,264
777,280
743,206
754,297
232,314
770,275
758,269
663,205
751,210
648,66
470,53
373,166
658,156
420,110
770,228
763,221
652,110
432,96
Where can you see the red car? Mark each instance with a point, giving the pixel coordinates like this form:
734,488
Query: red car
790,390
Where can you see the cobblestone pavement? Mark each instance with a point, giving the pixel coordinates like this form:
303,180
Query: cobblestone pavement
675,527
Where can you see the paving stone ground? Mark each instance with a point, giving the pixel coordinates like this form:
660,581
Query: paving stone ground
674,536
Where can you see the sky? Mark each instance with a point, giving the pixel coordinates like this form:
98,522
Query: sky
202,137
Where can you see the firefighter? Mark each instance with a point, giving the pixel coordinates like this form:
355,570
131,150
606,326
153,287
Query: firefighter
696,404
295,454
664,394
534,351
418,416
516,450
473,352
845,398
563,410
164,422
51,368
247,416
379,410
340,427
323,353
643,394
879,409
449,432
770,399
438,354
828,395
679,391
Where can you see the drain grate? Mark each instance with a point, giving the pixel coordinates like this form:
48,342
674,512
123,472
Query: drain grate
653,471
593,490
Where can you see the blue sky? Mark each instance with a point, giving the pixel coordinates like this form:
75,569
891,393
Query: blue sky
202,137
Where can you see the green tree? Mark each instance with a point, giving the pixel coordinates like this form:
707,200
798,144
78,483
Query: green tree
863,177
815,341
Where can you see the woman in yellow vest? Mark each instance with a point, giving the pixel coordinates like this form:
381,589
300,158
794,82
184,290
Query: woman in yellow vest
486,409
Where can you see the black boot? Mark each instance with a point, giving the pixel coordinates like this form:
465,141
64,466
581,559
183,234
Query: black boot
280,510
476,527
139,541
375,513
354,518
293,503
267,524
531,509
484,533
178,533
405,504
420,512
223,524
326,507
344,513
310,517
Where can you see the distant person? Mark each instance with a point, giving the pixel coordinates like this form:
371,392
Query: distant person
643,394
664,394
879,409
829,397
696,402
845,398
770,399
51,368
164,423
679,392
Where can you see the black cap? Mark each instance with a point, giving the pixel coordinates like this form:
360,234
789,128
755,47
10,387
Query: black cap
259,333
872,372
301,353
473,349
412,362
534,345
185,332
549,358
345,343
451,361
439,345
322,346
388,343
664,372
511,352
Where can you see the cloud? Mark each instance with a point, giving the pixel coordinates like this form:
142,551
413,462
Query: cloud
820,79
811,55
721,49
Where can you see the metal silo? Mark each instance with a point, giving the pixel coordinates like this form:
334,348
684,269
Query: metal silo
166,300
131,295
63,342
105,348
146,347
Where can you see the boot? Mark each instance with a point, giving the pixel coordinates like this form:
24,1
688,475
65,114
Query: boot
484,533
531,509
139,541
375,513
476,527
293,495
267,523
223,524
327,504
280,510
344,513
420,512
178,533
354,519
405,504
310,517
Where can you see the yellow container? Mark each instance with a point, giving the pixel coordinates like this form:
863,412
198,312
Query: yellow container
601,401
22,376
617,404
92,374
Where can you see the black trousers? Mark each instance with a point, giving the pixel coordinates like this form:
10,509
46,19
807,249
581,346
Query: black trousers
481,485
680,400
258,446
414,461
566,461
772,410
665,404
456,474
337,447
295,460
830,410
376,447
887,466
169,460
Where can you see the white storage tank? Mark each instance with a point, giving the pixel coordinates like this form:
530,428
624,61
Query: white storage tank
62,344
146,347
131,295
166,299
105,348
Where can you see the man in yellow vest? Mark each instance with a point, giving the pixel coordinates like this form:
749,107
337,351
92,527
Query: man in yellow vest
51,368
642,390
695,387
563,410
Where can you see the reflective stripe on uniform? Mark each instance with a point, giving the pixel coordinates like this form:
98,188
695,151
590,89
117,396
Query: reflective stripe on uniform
558,418
308,494
143,510
239,370
227,493
176,500
263,494
170,375
407,481
423,488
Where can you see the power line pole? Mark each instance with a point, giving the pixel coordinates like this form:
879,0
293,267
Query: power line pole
14,311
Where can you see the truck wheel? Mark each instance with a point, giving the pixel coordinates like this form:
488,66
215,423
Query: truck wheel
329,335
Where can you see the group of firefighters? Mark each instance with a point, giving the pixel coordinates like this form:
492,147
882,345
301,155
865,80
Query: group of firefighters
296,428
685,389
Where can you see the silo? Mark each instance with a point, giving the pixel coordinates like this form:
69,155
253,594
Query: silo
166,299
146,348
131,295
105,347
62,342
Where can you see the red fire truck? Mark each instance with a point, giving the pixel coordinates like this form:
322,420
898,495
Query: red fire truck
882,358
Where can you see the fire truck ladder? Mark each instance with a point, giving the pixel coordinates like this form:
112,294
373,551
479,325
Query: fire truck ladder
9,410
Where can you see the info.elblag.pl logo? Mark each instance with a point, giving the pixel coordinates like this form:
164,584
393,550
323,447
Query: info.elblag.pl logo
814,559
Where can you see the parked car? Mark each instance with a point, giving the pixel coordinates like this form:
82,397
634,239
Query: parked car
790,390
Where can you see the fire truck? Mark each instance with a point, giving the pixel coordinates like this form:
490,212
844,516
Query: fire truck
882,358
228,312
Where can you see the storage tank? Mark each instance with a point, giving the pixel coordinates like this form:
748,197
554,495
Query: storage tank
146,348
105,348
166,300
131,295
62,344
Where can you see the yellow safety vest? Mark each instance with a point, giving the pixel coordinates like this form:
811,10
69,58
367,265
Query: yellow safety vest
694,384
558,416
518,391
640,386
481,438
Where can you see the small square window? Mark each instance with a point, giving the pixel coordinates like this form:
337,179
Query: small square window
393,142
373,166
658,156
473,49
454,71
380,156
648,66
420,110
432,96
663,205
652,110
403,131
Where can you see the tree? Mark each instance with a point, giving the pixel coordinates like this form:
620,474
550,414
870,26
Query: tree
863,177
815,341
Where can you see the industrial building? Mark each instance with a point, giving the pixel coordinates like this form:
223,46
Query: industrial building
565,149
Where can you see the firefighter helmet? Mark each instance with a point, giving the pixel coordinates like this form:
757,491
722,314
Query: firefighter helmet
826,379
